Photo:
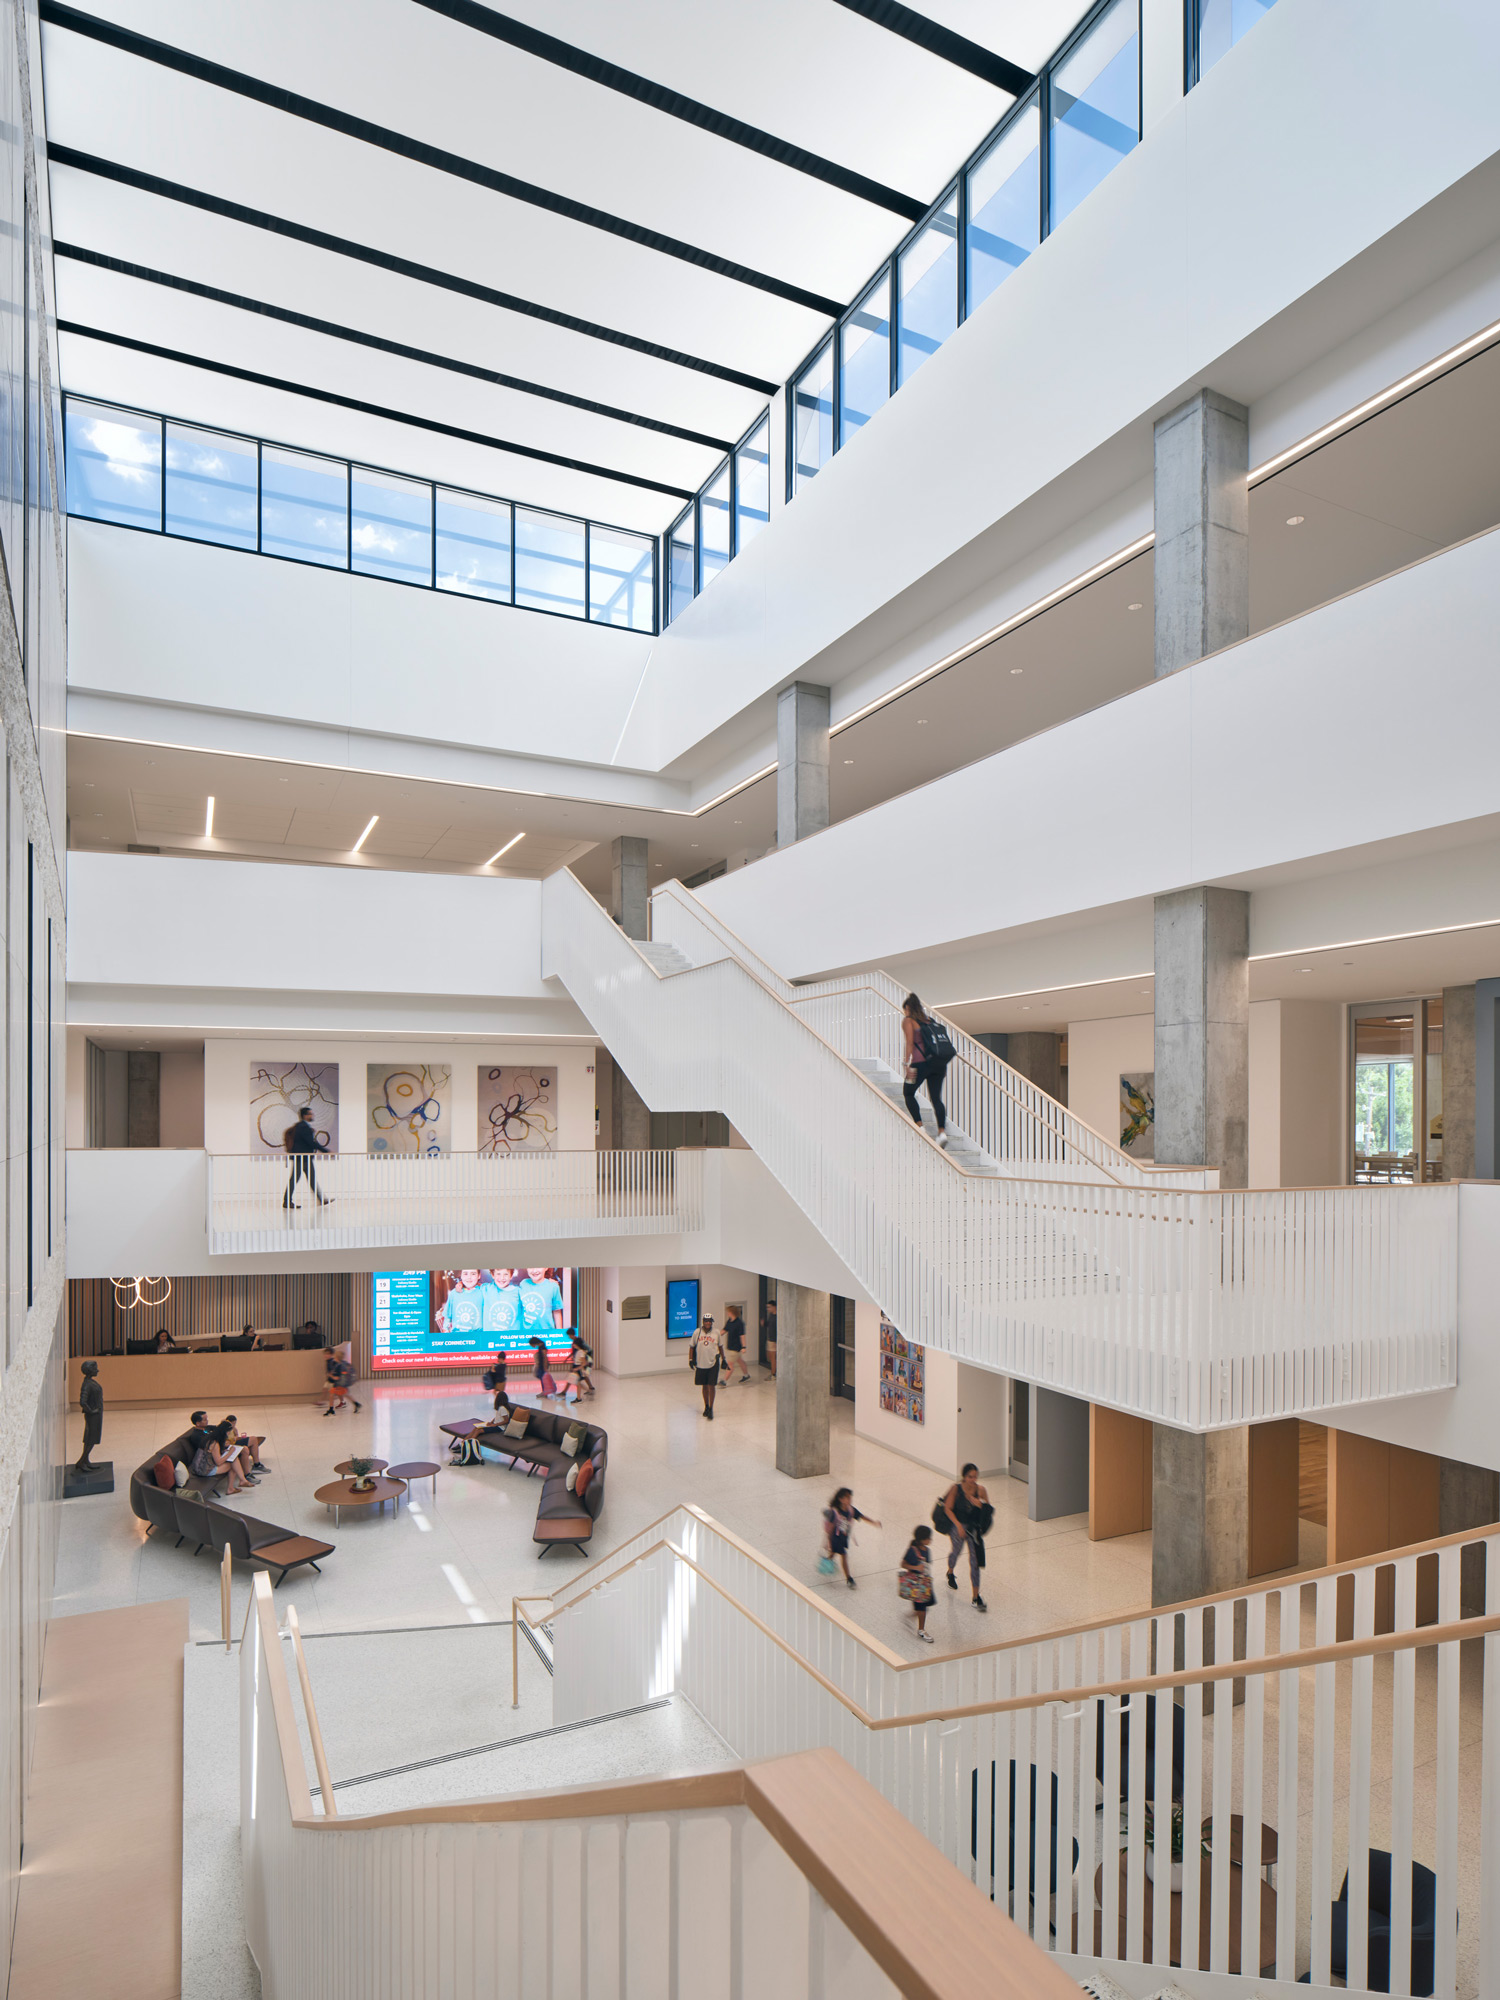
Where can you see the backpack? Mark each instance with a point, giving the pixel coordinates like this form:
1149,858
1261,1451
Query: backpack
937,1041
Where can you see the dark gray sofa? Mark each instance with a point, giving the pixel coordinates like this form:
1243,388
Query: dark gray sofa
562,1519
192,1514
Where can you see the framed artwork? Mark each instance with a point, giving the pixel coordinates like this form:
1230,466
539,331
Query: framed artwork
1138,1115
903,1375
517,1110
278,1092
409,1108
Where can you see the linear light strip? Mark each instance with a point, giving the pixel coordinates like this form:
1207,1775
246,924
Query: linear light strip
208,822
504,850
374,822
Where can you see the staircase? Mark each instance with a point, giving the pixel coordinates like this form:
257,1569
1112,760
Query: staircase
1033,1246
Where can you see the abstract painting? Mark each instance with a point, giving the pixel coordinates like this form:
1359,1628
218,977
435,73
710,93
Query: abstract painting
279,1090
1138,1115
410,1108
903,1375
517,1110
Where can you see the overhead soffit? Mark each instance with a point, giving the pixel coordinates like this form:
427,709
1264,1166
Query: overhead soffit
599,207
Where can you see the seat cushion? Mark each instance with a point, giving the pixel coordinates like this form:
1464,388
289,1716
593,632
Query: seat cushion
157,1507
165,1471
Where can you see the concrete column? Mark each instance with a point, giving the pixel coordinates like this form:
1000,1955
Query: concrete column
1038,1057
801,762
143,1101
1203,1031
803,1361
1202,509
1458,1083
1486,1079
629,1119
629,890
1058,1469
1200,1512
1468,1495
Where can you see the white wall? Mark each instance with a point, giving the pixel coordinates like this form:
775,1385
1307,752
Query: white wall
1099,1054
933,1442
641,1347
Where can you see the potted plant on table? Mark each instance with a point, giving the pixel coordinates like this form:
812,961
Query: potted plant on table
1204,1846
362,1474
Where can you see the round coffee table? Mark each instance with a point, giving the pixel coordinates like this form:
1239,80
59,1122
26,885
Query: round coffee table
420,1468
342,1493
375,1465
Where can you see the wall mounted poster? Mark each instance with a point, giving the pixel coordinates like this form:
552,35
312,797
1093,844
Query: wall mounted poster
1138,1115
903,1375
517,1110
409,1108
278,1091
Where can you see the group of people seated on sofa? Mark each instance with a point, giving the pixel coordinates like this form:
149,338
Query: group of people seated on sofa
216,1449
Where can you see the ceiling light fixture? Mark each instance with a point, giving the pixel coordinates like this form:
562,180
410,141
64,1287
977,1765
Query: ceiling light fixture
1135,607
1295,520
847,760
208,823
1018,670
504,850
374,822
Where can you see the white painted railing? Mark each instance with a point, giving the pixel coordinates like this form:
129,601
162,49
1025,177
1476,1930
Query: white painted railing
376,1199
730,1882
1359,1730
1021,1128
1198,1309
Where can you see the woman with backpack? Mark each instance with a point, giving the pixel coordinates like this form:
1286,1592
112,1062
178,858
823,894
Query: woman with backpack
929,1050
967,1517
705,1358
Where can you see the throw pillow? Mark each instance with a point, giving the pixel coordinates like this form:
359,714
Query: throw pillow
519,1419
179,1475
166,1473
585,1475
572,1439
571,1481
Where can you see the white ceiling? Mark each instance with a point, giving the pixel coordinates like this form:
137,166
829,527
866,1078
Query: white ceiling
811,73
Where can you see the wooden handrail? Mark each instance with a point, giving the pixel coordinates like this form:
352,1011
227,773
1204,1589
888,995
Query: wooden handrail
225,1572
309,1709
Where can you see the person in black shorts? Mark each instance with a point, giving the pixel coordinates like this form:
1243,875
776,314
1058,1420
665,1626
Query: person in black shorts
734,1345
705,1354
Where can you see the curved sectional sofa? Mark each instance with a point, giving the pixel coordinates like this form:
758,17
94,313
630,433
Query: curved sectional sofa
562,1519
192,1513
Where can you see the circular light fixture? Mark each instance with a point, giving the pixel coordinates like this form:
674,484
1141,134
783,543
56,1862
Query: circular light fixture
133,1292
1135,607
1018,670
1295,520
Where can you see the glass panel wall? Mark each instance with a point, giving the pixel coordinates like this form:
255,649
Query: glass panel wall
752,484
1385,1096
812,419
713,527
1096,106
473,545
681,564
622,579
212,487
1005,205
391,531
304,507
1222,23
865,358
114,465
927,290
550,558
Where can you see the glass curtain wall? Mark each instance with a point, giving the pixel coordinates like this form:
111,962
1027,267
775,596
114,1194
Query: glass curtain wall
812,418
927,290
713,526
1219,24
752,484
1005,205
139,471
865,358
1095,96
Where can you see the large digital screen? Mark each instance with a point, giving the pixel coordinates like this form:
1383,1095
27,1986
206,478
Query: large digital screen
456,1319
682,1308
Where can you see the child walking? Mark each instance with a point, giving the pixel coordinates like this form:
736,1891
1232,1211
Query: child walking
839,1517
916,1579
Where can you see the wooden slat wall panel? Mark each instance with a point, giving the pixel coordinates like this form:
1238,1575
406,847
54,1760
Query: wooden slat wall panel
217,1305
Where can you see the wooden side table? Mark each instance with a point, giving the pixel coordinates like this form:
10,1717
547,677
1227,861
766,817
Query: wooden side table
420,1468
342,1493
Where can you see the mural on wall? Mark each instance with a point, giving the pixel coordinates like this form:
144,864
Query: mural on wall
410,1108
278,1091
903,1375
517,1110
1138,1115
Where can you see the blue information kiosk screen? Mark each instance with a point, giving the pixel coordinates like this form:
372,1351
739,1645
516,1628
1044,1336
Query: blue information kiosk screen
682,1308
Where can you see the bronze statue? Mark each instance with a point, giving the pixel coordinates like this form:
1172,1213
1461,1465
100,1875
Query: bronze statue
91,1402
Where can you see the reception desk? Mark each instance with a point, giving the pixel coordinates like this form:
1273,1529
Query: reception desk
197,1381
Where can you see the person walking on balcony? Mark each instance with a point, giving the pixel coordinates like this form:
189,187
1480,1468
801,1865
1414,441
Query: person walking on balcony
928,1051
968,1517
916,1578
302,1142
839,1517
705,1357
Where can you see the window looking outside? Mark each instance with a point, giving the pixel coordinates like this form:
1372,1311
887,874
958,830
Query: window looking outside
1222,23
622,578
752,483
391,533
927,290
1384,1097
713,527
304,507
680,557
550,560
1005,205
473,545
1096,107
212,487
865,358
812,418
114,465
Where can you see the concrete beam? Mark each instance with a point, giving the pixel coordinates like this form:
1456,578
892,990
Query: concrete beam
801,762
1202,513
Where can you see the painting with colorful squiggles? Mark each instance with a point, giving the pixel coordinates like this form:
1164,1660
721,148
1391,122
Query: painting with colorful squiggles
517,1110
410,1108
279,1090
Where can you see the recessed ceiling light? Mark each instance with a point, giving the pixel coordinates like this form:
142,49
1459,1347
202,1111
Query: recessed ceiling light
283,781
1295,520
374,822
503,850
847,760
88,784
921,722
1307,968
692,843
208,821
98,815
1135,607
1018,670
1348,961
739,822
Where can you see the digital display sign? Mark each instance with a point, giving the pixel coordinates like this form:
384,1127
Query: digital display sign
682,1308
454,1319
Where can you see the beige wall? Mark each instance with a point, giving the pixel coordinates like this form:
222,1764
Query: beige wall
182,1099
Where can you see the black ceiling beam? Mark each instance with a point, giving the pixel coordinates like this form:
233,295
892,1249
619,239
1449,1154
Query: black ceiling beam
935,38
364,409
79,255
403,267
547,48
59,15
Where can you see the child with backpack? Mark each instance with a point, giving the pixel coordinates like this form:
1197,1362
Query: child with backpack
915,1583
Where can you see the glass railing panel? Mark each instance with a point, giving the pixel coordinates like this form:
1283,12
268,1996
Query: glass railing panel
473,545
114,465
812,418
752,483
212,490
390,533
550,558
713,526
865,358
1096,106
304,507
622,579
1005,206
927,290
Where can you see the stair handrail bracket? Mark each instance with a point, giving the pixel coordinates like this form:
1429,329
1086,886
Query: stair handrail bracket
1192,1306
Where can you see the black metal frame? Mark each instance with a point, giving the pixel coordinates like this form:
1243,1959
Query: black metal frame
692,511
433,486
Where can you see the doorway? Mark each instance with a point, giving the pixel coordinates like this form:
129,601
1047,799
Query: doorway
1020,1431
841,1382
1396,1092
